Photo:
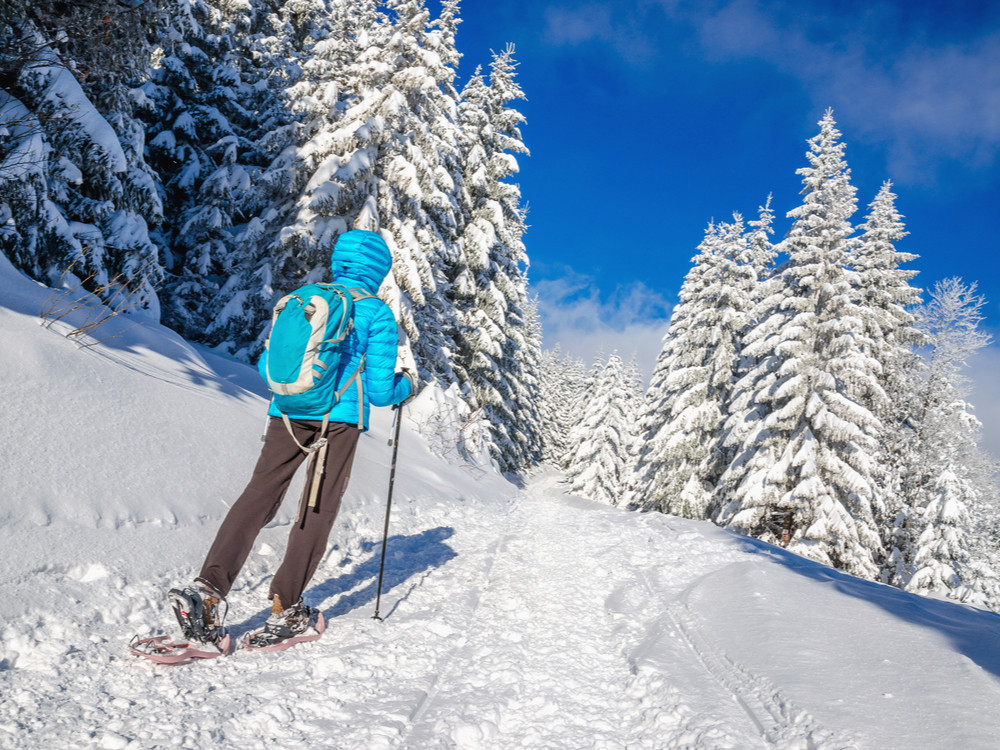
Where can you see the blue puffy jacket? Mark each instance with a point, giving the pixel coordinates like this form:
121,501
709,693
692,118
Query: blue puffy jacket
361,260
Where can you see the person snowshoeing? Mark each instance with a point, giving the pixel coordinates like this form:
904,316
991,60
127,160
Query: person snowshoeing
366,376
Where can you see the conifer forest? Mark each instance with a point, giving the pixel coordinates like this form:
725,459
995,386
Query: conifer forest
190,161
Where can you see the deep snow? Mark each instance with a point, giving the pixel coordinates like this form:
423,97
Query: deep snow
515,617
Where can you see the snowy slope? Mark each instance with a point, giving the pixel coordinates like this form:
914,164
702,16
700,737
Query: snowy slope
514,617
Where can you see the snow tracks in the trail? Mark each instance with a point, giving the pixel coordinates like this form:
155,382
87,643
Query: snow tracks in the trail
581,638
535,665
568,627
692,693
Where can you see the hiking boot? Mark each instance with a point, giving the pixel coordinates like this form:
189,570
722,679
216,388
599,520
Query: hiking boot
298,622
200,611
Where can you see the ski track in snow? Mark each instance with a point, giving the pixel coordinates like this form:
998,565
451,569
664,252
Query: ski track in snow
537,633
678,673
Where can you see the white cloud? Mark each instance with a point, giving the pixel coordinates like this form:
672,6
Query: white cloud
631,320
927,99
620,28
922,98
578,25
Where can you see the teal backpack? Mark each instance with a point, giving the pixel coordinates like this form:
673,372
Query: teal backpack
304,348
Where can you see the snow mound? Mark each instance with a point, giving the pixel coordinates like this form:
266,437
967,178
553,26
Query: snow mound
103,424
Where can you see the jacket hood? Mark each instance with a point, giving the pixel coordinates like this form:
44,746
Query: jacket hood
360,259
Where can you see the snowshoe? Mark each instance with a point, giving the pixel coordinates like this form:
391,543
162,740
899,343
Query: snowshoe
164,649
286,627
200,611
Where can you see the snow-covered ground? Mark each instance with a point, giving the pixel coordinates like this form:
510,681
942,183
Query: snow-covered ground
515,617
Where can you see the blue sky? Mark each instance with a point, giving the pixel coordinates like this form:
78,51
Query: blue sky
648,118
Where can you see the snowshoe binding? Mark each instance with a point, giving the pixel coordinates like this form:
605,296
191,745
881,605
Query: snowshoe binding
286,627
200,611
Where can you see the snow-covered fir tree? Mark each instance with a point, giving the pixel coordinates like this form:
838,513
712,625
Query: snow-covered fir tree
680,455
552,392
416,192
293,62
580,386
885,301
982,571
946,474
584,382
369,88
529,395
326,172
490,285
201,124
636,387
75,190
563,383
299,57
882,288
751,285
597,468
761,251
942,550
804,470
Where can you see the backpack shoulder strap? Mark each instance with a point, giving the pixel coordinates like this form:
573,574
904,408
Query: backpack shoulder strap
358,375
359,294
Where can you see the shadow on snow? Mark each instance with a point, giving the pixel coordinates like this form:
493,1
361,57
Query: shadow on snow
971,631
406,557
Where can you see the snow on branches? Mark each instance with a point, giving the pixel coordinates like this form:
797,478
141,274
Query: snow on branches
813,405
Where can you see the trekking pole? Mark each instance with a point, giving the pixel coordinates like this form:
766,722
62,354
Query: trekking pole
388,505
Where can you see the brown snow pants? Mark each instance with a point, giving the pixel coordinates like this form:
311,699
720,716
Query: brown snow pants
257,506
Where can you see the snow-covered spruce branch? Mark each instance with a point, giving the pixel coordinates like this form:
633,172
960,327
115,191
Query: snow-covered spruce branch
18,128
91,37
